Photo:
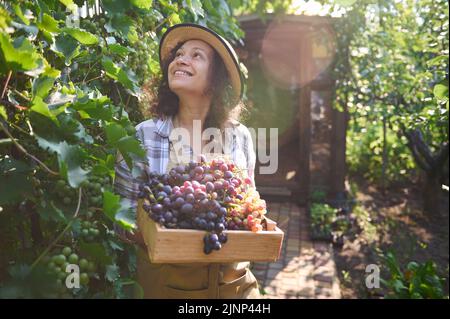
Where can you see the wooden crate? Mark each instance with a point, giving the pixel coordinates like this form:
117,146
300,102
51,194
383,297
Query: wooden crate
186,245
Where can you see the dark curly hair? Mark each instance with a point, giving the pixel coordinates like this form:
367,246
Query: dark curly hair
224,106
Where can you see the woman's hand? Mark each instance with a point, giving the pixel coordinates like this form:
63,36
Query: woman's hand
132,237
136,237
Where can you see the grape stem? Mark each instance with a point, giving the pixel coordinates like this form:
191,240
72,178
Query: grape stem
8,77
24,151
45,252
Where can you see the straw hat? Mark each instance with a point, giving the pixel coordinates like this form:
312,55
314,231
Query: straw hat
189,31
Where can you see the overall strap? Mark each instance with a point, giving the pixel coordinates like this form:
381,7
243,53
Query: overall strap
213,281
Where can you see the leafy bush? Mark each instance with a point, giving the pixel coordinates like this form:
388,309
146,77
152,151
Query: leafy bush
322,217
415,281
365,153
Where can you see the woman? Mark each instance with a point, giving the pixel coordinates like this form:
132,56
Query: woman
202,84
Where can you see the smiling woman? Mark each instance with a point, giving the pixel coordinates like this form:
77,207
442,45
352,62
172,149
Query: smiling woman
201,83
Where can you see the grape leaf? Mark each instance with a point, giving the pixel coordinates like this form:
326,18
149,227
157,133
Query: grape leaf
19,55
142,4
66,47
15,180
96,252
42,86
82,36
119,210
70,159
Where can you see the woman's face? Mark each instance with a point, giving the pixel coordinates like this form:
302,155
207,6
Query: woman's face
189,72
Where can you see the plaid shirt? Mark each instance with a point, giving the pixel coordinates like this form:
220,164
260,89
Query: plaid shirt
154,135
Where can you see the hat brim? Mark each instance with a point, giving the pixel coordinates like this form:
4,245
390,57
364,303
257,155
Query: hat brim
187,31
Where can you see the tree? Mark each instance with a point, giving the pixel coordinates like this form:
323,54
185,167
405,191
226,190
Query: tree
396,70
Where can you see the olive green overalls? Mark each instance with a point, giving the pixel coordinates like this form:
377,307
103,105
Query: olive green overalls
195,280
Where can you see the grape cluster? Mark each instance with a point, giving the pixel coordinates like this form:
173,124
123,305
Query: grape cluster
89,230
205,196
65,192
93,189
58,262
93,26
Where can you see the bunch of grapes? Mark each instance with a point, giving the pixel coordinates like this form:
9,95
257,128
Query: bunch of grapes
210,196
89,230
93,189
58,262
65,192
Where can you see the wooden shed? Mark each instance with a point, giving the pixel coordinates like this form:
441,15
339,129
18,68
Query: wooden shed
290,87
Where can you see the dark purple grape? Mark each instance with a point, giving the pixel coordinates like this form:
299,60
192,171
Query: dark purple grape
217,245
190,198
222,211
209,187
167,189
239,197
165,178
162,194
220,227
189,190
199,194
207,249
213,238
210,226
223,238
186,208
179,202
180,169
228,175
218,185
202,224
162,221
208,178
192,165
204,203
168,216
202,215
211,216
199,170
157,208
167,202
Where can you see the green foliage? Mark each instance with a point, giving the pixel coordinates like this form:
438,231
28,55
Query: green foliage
392,66
69,104
415,281
318,196
365,153
322,217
